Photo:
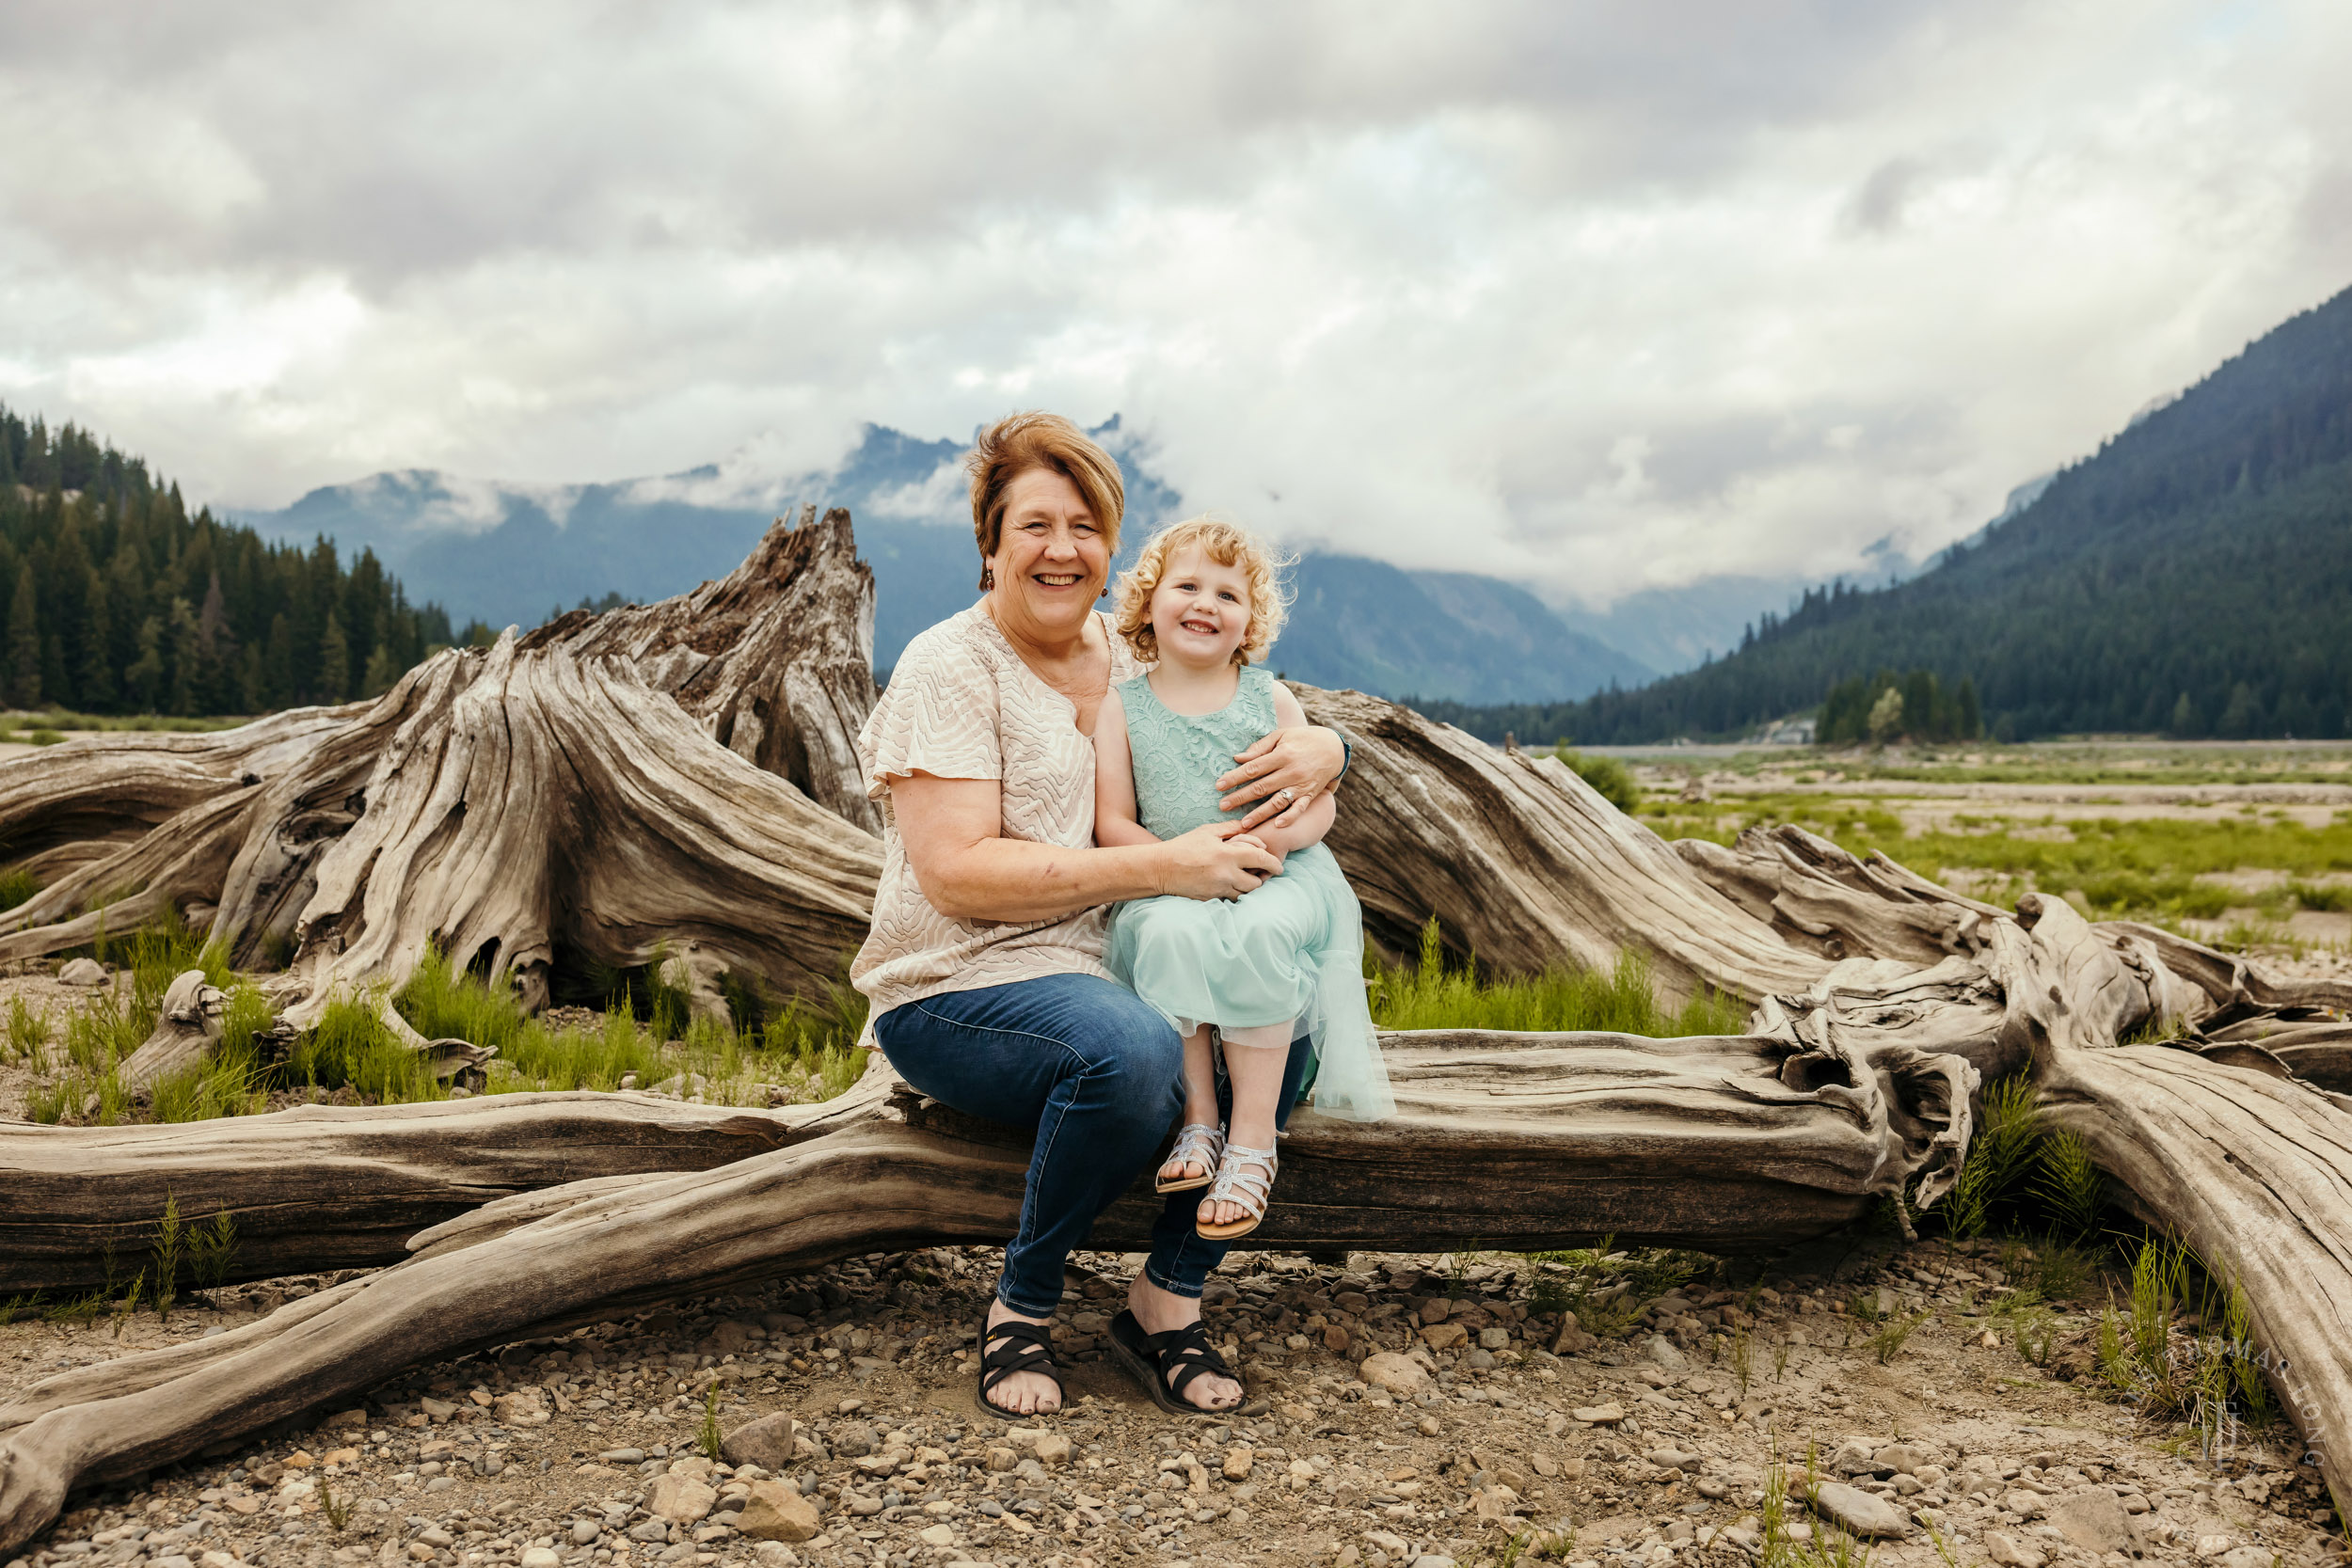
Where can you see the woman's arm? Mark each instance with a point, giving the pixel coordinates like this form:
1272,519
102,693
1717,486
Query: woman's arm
1305,761
1115,813
1313,818
953,832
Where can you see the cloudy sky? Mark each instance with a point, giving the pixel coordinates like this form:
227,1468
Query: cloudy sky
1595,296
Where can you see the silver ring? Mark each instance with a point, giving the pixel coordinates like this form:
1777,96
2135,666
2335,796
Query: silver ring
1286,795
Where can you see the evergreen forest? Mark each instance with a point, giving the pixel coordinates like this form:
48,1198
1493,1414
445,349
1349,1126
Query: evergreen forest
115,600
2193,579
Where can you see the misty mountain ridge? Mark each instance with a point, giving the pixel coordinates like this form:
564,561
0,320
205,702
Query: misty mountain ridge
509,553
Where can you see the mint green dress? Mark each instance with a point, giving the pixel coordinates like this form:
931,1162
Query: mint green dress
1290,950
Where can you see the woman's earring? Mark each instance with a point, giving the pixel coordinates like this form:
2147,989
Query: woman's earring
988,576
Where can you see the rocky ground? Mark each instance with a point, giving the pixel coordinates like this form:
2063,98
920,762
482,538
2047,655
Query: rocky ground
1406,1411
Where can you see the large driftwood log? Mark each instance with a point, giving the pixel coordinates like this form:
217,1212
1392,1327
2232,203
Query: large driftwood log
1881,1001
1745,1143
331,1187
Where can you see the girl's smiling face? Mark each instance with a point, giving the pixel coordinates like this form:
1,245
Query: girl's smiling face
1201,609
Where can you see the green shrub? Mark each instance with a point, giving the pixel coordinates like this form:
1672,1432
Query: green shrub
2335,897
1613,779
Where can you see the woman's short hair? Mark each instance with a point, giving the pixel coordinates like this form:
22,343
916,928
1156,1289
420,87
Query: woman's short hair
1228,544
1020,442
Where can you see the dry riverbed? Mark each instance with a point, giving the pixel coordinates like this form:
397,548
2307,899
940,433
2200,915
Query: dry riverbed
1406,1411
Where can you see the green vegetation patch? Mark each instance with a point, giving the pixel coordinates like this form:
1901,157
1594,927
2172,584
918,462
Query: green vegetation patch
2144,868
1622,1001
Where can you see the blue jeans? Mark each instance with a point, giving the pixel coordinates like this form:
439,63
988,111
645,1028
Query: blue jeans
1099,1078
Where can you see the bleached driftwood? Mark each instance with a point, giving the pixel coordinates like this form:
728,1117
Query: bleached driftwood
546,796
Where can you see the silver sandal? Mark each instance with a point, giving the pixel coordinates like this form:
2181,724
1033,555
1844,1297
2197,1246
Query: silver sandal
1196,1144
1237,1181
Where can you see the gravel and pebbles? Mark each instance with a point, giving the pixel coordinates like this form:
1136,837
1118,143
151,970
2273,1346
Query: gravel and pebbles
1406,1411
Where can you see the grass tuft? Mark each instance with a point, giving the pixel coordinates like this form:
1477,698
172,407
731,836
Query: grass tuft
709,1437
1886,1342
1607,1290
28,1031
2070,1185
2212,1381
1999,1156
17,886
1622,1001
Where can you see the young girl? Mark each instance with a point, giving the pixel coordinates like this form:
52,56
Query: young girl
1202,605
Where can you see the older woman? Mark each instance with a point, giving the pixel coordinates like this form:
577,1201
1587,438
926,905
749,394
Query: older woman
984,966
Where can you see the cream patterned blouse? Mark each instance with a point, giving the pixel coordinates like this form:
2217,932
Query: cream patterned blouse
962,705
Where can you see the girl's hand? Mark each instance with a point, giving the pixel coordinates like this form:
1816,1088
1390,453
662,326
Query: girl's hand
1214,861
1303,761
1280,860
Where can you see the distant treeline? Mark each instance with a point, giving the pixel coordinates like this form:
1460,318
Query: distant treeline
1916,706
113,599
1877,710
2193,578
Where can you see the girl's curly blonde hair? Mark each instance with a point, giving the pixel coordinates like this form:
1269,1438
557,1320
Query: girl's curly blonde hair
1228,544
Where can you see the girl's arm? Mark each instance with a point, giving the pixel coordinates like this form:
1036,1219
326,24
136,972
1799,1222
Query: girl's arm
1115,823
953,832
1315,820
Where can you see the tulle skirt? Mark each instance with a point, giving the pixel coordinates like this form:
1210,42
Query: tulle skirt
1290,950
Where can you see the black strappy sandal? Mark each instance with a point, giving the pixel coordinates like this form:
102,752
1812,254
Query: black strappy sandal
1186,1351
1027,1348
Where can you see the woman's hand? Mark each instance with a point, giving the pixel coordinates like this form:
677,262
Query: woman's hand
1283,773
1217,861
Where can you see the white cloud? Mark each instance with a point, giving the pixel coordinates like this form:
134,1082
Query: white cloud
1598,297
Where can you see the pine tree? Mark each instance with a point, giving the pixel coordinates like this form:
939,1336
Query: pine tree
216,651
187,656
94,682
382,670
2244,715
25,642
143,677
334,662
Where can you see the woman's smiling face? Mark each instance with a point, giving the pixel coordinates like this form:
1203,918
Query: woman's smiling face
1201,609
1051,559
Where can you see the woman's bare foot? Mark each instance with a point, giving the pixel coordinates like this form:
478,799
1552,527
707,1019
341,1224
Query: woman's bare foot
1025,1393
1159,1311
